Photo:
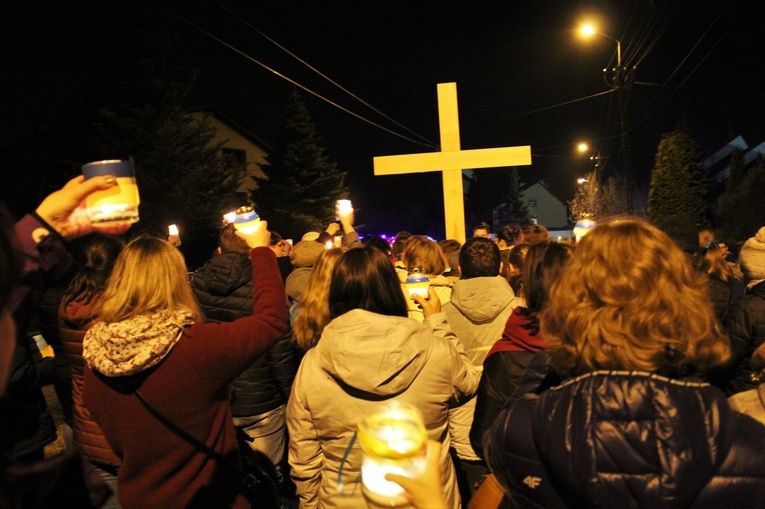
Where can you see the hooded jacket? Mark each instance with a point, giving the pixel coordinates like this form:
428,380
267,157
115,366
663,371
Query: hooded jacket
189,385
362,360
223,287
628,439
477,313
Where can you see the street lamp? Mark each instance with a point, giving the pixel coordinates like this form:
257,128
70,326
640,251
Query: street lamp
619,84
589,30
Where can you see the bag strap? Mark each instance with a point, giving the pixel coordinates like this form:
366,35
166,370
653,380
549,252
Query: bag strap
248,480
186,436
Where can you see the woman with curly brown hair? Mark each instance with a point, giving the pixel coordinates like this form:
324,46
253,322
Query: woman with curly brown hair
621,419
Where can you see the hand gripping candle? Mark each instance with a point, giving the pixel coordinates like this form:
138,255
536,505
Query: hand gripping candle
393,441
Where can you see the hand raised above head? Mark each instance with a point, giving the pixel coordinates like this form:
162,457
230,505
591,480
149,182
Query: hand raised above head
260,237
332,228
64,210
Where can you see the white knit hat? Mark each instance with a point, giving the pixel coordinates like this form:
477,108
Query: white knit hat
751,258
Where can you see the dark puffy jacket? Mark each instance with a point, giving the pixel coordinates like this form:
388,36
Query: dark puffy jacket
746,328
74,320
223,287
628,439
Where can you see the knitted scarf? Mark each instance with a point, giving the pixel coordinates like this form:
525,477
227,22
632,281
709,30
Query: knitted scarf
133,345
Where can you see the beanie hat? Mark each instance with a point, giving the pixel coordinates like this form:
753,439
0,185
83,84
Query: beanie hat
305,253
682,229
751,258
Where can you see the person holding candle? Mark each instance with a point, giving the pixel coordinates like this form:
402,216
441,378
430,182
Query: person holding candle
369,354
423,256
33,253
150,337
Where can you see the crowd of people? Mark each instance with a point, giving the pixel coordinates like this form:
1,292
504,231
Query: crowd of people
623,369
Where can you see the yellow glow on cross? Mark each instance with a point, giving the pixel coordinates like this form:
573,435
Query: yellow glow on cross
451,161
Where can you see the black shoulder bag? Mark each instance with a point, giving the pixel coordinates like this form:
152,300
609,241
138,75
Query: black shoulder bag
257,485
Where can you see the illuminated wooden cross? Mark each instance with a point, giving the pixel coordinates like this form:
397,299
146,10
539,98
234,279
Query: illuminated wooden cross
451,161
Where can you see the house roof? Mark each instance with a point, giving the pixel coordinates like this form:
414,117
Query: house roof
210,110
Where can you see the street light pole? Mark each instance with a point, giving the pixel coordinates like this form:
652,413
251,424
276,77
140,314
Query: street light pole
620,84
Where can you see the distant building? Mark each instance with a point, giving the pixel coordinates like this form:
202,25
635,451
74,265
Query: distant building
545,209
718,164
238,144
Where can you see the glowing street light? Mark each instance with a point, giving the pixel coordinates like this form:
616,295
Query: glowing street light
582,147
589,30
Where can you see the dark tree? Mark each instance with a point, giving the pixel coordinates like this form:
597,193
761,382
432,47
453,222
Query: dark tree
301,184
679,183
513,210
182,177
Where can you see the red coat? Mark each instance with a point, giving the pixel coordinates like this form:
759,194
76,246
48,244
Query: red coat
74,320
191,388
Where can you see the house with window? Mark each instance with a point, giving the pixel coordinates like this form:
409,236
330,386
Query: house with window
546,209
238,144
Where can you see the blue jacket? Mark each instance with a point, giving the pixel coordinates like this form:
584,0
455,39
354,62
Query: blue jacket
628,439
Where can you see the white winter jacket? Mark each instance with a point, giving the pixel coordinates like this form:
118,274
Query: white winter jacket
362,360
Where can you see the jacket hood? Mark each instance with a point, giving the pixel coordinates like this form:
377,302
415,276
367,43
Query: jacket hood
482,298
226,272
636,437
375,354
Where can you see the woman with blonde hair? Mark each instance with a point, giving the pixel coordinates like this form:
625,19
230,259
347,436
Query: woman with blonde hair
312,313
150,337
422,255
621,419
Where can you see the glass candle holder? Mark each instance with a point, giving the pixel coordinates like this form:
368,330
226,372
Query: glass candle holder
118,204
245,219
393,441
417,284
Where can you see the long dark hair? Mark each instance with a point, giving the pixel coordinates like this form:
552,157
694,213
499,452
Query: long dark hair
97,256
364,278
541,267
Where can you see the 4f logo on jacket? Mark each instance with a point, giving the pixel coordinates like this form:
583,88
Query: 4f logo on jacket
532,482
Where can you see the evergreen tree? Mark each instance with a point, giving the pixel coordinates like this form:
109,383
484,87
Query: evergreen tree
513,210
301,184
679,183
742,206
181,175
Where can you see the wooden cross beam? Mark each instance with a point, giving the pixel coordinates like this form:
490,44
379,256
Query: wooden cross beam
451,161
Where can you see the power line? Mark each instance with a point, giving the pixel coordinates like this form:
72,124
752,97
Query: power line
302,87
365,103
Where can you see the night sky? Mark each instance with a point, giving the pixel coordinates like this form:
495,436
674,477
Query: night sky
515,64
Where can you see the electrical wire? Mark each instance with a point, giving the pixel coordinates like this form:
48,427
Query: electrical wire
295,83
290,53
